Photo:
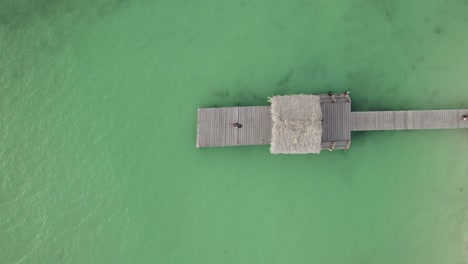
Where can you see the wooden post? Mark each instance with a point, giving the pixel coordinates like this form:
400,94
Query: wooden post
332,97
332,147
348,144
348,99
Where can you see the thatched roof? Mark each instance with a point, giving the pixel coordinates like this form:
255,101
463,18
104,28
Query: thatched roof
297,124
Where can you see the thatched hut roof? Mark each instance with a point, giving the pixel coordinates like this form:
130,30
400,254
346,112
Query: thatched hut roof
297,124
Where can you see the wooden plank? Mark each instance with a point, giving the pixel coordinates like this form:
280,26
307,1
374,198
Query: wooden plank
215,127
436,119
339,98
404,120
256,125
409,119
400,120
461,123
336,145
336,122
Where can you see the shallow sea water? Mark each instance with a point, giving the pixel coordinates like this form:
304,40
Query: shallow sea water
98,125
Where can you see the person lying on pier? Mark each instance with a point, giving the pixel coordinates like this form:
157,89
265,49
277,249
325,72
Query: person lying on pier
465,117
237,125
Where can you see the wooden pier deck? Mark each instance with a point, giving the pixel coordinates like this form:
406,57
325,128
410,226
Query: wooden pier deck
216,125
408,120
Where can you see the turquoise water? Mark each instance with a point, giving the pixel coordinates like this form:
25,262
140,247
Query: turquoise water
98,125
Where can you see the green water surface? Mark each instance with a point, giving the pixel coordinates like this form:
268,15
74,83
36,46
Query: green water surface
98,109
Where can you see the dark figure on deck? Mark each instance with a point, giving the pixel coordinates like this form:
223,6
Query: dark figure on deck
237,125
465,117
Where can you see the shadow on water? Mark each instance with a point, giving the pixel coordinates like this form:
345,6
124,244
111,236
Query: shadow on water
236,97
283,85
17,14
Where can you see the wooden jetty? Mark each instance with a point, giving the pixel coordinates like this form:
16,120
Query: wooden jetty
216,126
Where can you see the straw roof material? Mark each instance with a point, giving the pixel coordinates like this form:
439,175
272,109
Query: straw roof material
297,124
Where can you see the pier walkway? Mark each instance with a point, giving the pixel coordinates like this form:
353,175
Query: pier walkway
408,120
215,127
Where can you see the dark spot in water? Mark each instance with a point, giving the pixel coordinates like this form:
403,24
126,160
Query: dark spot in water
437,30
361,104
317,71
258,100
392,90
366,80
17,14
221,94
18,74
244,3
249,98
461,189
283,83
387,12
109,7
